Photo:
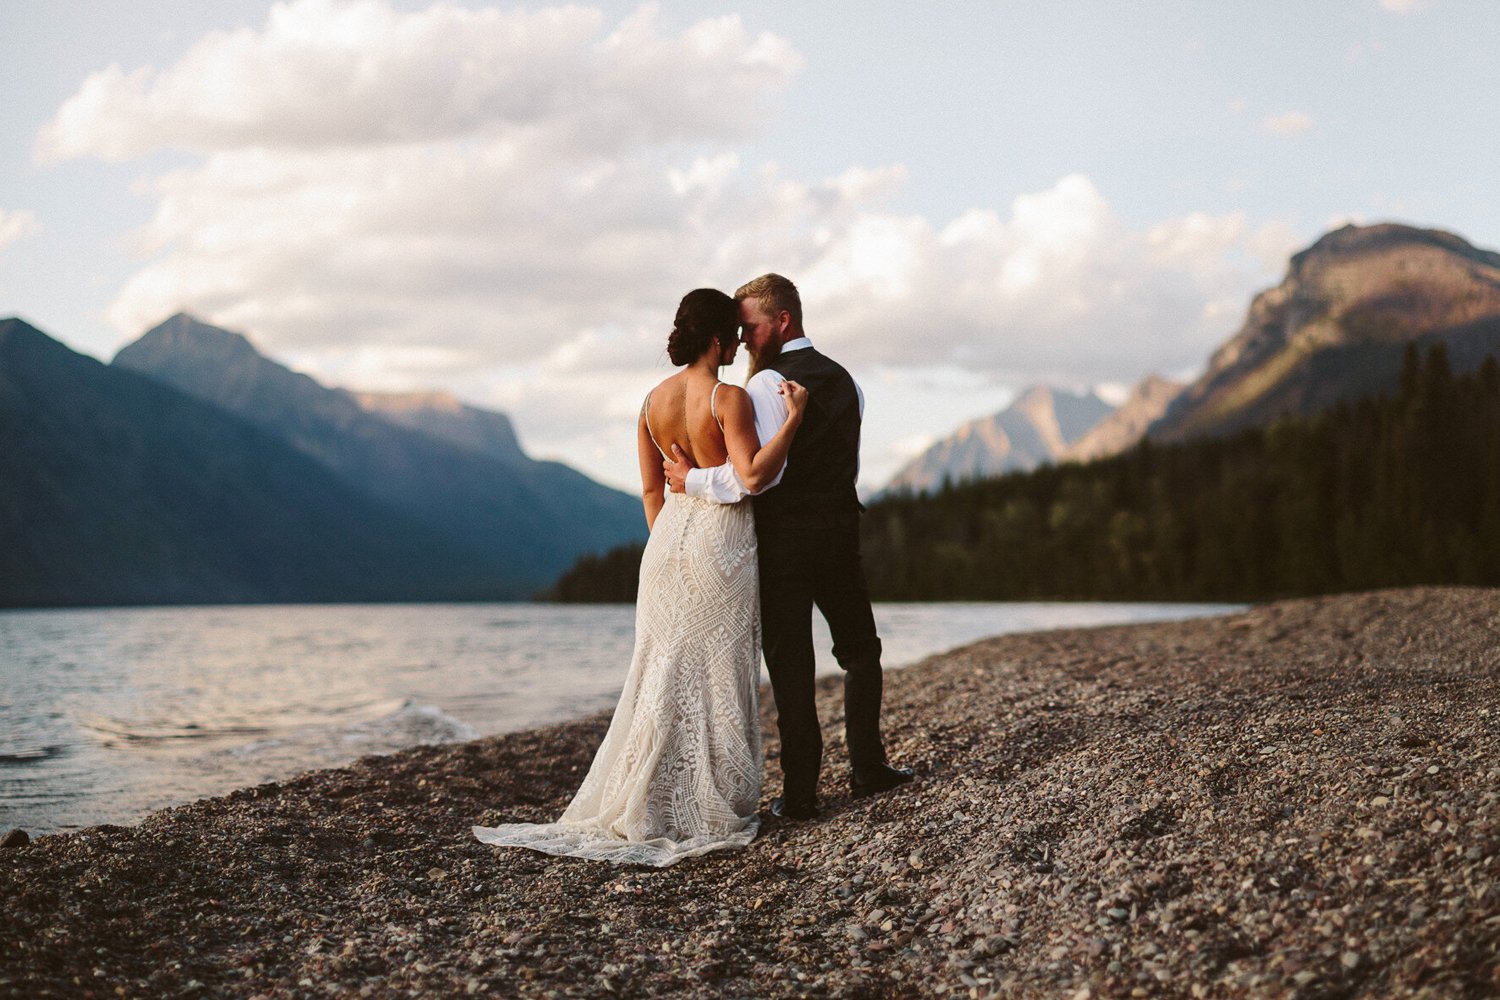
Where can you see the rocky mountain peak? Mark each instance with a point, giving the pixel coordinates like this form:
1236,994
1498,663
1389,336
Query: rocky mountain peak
1037,427
1352,240
1335,326
187,334
220,366
1385,267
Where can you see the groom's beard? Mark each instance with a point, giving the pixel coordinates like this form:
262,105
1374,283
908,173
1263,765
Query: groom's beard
763,359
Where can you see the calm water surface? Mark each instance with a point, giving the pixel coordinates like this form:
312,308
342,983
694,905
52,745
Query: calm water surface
107,714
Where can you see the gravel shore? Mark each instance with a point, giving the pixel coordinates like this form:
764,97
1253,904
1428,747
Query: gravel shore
1302,800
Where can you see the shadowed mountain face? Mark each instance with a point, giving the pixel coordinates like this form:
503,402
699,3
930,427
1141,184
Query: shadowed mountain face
1337,326
116,489
454,467
1035,429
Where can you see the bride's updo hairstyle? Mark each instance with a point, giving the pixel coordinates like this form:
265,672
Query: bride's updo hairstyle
705,315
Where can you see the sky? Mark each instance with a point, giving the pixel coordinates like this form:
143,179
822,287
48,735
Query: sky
507,201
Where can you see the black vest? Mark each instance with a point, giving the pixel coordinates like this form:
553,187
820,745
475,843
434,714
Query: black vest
824,458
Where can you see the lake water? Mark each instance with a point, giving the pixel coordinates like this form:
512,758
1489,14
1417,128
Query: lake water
108,714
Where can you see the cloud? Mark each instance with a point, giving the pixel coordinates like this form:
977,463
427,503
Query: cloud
1288,123
510,205
16,225
1059,289
1404,6
328,74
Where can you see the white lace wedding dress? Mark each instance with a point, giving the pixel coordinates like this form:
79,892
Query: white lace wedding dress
679,771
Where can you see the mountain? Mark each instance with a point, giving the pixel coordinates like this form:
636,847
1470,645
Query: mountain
442,416
116,489
1128,423
1036,428
1338,324
456,468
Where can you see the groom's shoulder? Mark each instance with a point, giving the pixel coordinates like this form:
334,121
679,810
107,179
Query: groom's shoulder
812,359
762,385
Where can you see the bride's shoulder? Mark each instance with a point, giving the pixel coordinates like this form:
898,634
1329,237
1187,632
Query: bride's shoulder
665,385
724,392
730,399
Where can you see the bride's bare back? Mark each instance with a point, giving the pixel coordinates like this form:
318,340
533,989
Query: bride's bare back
683,411
710,422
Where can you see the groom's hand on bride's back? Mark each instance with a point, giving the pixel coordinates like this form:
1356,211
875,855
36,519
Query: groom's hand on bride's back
676,472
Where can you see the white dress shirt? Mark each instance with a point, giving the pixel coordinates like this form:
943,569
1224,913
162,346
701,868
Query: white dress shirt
719,484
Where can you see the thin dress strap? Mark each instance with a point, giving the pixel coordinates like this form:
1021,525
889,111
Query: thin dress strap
713,400
646,415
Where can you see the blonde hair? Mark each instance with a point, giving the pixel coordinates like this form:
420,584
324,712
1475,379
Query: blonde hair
775,294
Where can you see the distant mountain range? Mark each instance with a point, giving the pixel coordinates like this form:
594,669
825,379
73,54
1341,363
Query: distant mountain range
1335,329
195,469
1037,427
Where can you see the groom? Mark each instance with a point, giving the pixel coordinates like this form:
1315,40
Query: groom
807,522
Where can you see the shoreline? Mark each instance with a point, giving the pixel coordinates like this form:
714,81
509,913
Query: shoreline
1296,800
100,765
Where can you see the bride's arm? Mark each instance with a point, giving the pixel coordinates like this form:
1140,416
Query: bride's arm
653,480
756,464
719,484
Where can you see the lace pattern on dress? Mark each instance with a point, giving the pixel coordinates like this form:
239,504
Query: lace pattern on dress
679,771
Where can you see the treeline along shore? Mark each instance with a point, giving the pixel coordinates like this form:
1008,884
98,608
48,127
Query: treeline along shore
1301,800
1392,490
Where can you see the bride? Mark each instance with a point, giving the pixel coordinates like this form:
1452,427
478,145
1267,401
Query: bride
679,771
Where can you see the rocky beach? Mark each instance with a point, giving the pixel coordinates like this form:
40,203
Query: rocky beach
1300,800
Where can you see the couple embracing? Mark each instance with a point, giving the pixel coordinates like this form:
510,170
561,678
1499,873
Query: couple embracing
679,771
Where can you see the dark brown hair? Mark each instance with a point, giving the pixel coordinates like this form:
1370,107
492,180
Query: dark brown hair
705,315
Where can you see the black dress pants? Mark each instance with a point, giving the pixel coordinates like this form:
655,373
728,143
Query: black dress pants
812,559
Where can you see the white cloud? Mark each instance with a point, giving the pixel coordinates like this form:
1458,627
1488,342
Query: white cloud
1061,289
510,205
16,225
338,73
1288,123
532,290
1113,393
1404,6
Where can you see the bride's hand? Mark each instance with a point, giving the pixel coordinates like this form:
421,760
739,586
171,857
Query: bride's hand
795,395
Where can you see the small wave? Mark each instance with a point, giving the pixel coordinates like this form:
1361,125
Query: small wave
303,715
411,725
162,732
30,755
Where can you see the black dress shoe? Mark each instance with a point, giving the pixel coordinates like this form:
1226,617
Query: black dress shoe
881,778
782,809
